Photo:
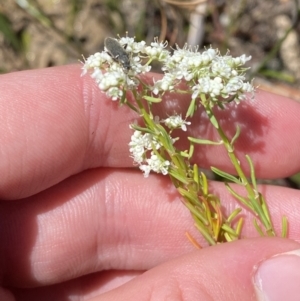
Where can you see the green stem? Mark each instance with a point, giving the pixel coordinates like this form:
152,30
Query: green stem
253,196
204,207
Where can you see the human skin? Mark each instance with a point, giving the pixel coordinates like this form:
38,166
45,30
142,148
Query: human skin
76,219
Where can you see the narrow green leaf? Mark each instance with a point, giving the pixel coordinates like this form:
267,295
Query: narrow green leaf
177,176
284,227
139,128
229,230
252,172
257,227
234,213
228,237
185,154
265,208
152,99
196,173
237,134
191,109
205,234
191,150
129,104
204,141
179,162
226,175
204,183
240,198
239,226
196,213
260,211
188,196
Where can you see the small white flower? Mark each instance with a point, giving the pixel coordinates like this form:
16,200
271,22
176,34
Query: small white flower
157,50
111,79
219,67
137,67
241,60
175,122
141,143
234,84
208,55
206,85
189,64
247,87
167,83
126,41
114,93
145,169
139,47
97,75
136,147
155,164
97,60
150,141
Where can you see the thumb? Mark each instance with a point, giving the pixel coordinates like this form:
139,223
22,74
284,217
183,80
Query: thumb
232,271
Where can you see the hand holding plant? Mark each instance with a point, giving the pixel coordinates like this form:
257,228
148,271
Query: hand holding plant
63,174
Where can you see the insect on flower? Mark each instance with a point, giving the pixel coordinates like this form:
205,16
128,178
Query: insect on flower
117,52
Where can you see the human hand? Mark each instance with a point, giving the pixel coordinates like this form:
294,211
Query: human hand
76,221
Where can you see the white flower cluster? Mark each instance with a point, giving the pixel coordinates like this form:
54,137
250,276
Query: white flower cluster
207,73
110,75
143,144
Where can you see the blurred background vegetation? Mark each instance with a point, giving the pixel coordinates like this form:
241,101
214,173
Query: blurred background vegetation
43,33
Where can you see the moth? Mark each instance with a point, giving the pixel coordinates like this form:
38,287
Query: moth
118,53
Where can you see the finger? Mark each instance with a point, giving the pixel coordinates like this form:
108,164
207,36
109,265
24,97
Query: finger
83,288
223,272
56,123
104,219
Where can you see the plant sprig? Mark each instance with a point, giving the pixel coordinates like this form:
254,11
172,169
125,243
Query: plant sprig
211,80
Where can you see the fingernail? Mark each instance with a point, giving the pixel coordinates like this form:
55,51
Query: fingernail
278,278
